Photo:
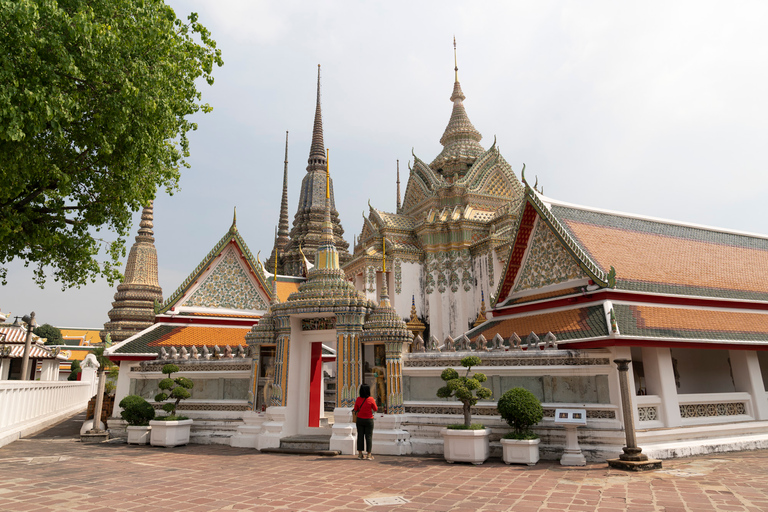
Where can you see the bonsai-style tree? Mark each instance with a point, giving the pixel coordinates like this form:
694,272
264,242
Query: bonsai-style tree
136,411
521,410
177,388
51,334
468,390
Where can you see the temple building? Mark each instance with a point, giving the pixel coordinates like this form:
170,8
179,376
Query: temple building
449,240
477,261
134,307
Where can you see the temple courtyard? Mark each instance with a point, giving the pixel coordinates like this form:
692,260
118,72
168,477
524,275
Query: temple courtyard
53,471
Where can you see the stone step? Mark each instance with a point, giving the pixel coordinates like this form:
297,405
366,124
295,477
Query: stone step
317,443
302,451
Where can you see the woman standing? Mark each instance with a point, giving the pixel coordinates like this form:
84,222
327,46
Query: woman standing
365,406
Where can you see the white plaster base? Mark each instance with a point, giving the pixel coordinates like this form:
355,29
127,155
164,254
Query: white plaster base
388,436
466,445
572,455
246,435
88,425
169,433
520,451
272,429
138,434
343,432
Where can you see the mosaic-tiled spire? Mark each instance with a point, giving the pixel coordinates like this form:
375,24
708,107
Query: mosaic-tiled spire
461,141
134,307
327,257
309,221
283,226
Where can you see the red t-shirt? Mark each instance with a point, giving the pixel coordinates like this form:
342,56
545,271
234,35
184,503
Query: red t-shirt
365,408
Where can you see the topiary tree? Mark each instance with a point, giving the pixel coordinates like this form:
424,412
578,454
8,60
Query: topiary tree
468,390
74,370
136,411
177,388
521,410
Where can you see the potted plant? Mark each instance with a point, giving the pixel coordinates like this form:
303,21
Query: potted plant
171,430
521,410
465,442
137,412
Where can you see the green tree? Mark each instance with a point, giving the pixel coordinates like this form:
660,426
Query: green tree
51,334
468,389
177,388
75,370
95,105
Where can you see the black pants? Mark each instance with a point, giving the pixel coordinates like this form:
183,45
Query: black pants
364,432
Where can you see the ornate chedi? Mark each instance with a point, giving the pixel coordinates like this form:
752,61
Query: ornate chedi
450,236
307,232
282,237
134,307
384,325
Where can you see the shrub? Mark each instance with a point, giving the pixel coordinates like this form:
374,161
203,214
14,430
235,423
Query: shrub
136,411
75,370
177,388
468,390
521,410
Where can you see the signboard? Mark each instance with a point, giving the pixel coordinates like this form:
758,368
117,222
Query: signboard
571,416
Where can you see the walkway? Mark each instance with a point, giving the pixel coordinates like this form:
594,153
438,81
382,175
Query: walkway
53,472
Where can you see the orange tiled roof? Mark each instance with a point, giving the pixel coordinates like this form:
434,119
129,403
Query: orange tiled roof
654,321
284,289
89,335
568,324
668,258
170,335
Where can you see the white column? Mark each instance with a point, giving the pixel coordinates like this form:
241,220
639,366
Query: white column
123,386
660,381
747,377
5,366
49,370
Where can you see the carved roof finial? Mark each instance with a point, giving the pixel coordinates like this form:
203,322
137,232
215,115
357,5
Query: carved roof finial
398,187
455,61
234,221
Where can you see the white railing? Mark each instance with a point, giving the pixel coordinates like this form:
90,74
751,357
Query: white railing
27,407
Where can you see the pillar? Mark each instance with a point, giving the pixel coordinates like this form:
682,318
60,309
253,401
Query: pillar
748,378
394,354
660,381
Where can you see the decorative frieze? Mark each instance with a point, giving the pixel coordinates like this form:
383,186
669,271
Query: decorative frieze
592,414
710,410
648,413
195,367
318,324
414,361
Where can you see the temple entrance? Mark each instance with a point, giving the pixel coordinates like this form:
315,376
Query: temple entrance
375,373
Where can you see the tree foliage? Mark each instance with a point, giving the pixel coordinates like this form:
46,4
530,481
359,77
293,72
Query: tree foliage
95,101
136,411
521,410
51,334
467,389
177,388
74,370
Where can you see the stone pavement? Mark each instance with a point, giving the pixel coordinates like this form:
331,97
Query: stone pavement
54,472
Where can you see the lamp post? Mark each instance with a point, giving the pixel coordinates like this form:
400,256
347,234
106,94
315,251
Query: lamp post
30,320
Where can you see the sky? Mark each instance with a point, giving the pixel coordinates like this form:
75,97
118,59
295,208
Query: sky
651,108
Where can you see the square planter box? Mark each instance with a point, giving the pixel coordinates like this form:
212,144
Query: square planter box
466,445
138,435
524,451
169,433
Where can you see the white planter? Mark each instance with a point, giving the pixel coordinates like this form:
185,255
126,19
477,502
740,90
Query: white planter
466,445
524,451
137,434
169,433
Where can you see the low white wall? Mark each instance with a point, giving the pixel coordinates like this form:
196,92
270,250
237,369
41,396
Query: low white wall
26,407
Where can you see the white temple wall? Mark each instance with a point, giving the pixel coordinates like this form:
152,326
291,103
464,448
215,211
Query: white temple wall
703,371
748,378
412,286
122,388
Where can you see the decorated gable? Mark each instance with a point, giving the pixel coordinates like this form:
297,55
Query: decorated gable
547,262
228,285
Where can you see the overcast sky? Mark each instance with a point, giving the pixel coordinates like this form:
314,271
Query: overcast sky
654,108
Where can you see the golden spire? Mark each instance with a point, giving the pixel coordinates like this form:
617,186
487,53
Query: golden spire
384,251
455,60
